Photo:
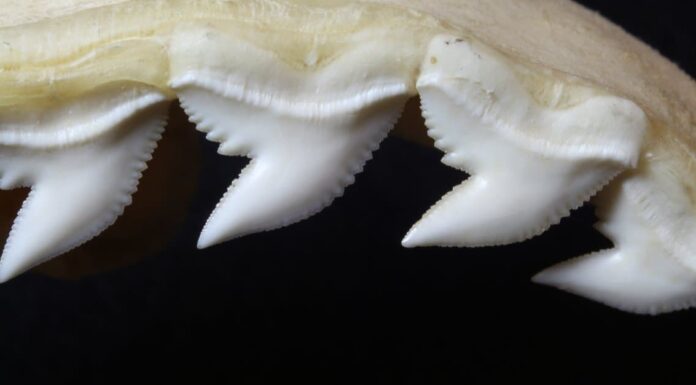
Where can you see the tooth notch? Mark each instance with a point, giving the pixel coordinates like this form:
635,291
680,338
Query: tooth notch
533,155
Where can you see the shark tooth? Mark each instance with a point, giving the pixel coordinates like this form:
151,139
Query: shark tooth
532,161
77,190
298,165
306,145
641,274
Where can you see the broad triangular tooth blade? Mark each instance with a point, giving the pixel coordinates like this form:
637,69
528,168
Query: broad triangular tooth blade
639,275
488,125
76,191
513,194
299,163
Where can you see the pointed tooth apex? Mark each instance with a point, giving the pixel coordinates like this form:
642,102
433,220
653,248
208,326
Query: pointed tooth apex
639,275
639,281
531,164
414,238
300,163
77,191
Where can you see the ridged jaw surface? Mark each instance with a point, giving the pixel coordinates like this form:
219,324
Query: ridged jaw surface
307,90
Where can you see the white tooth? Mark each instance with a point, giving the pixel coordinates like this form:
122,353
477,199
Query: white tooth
308,126
531,164
77,191
639,275
299,165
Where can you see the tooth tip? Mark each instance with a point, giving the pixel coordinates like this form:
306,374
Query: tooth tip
550,275
433,231
11,267
408,242
15,261
213,235
546,277
5,276
205,241
585,275
414,238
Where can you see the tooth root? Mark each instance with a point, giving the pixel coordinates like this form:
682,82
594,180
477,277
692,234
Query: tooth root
299,164
639,275
77,191
487,124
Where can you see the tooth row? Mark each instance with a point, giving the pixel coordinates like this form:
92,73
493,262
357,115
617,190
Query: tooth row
310,130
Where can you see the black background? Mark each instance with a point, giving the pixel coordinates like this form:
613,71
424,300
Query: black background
336,300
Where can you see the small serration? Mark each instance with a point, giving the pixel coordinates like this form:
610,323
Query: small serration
76,191
486,122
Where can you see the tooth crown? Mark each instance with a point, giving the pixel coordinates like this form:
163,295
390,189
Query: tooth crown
543,106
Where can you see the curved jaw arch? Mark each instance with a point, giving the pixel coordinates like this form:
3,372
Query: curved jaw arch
309,105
